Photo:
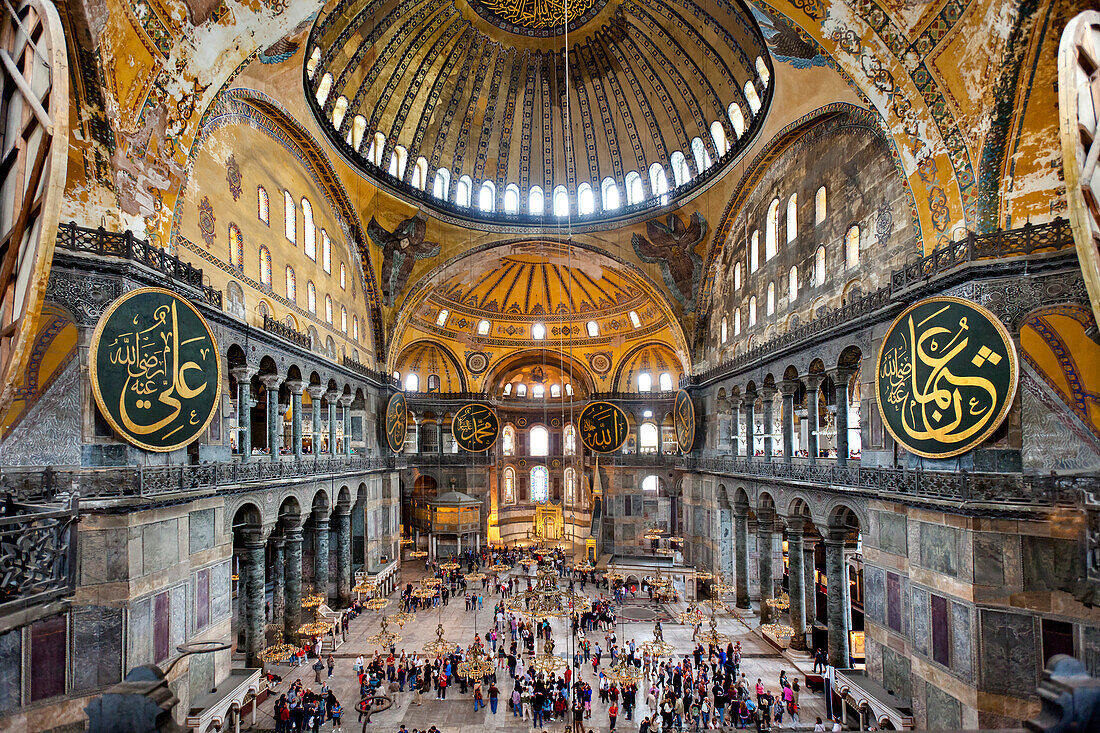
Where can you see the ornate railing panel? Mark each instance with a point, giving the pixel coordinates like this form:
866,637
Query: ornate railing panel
366,371
37,553
283,331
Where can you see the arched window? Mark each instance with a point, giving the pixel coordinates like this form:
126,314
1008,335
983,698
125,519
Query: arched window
792,284
538,441
441,184
610,194
328,309
540,484
593,329
737,322
344,319
718,134
521,390
750,95
722,331
536,201
792,218
651,484
754,252
819,266
399,159
658,182
377,149
570,486
507,389
265,266
648,438
569,389
236,247
314,59
752,311
702,157
819,206
464,190
326,252
737,276
635,321
339,109
483,328
355,327
420,173
737,119
262,205
441,318
681,174
358,131
561,201
509,485
487,197
771,226
309,230
511,199
538,332
762,70
634,191
771,298
538,392
343,276
433,382
851,247
311,297
324,88
508,436
645,382
290,217
291,285
412,382
555,390
586,199
665,381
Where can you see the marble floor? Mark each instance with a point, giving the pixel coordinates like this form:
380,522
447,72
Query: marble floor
760,660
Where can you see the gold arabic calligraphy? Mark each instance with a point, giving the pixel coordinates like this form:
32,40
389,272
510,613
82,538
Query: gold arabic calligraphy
475,427
603,427
538,13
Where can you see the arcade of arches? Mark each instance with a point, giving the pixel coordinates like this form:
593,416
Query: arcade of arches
707,208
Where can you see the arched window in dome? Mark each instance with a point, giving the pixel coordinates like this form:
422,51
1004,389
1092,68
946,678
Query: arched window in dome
665,382
754,252
291,285
290,218
792,218
658,181
645,382
593,329
507,389
536,201
236,248
328,309
819,266
561,201
540,484
483,328
412,382
819,206
339,109
736,322
722,336
737,119
343,274
762,70
314,59
508,435
647,438
358,131
752,311
441,184
441,318
521,390
771,227
737,275
487,197
635,321
309,230
511,199
324,88
420,173
399,158
538,392
651,484
344,320
464,190
634,190
538,442
702,157
326,252
377,149
718,134
555,390
750,95
262,205
771,299
570,486
792,284
355,328
586,199
509,484
538,332
851,247
265,266
610,194
681,174
568,389
311,297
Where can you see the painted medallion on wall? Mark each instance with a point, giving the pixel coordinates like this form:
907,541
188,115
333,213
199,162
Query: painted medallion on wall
156,370
397,421
683,418
945,376
603,427
475,427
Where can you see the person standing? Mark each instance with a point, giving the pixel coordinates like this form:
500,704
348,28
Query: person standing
331,664
612,714
494,695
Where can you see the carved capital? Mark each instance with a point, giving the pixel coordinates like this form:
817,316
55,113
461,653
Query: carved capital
295,386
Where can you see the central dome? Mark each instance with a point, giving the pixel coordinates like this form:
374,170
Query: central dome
481,112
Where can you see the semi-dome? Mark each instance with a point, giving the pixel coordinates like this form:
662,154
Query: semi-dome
476,110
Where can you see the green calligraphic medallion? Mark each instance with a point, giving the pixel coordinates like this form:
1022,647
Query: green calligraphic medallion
156,370
683,419
475,427
397,421
603,427
945,377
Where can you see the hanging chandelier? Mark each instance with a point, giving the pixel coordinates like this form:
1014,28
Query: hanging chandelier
547,661
400,618
703,575
712,635
384,638
623,673
782,603
477,664
440,645
657,646
431,582
449,565
500,567
779,631
474,577
418,554
691,615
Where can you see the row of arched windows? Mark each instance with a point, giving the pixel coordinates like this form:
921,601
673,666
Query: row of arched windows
538,441
540,485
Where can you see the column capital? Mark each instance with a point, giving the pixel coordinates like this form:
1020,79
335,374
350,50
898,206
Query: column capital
835,536
271,381
295,386
842,373
813,381
767,393
315,391
794,526
345,399
243,372
332,395
320,516
789,387
254,537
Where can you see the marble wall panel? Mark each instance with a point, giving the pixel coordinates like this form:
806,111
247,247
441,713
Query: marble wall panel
11,656
891,533
177,617
1050,563
1009,655
103,556
1090,649
962,635
896,673
201,528
201,672
221,591
160,545
989,552
922,620
939,548
944,711
874,593
97,647
139,633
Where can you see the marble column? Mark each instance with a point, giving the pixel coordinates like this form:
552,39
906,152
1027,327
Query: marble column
767,395
331,396
278,591
741,555
283,407
294,386
750,443
252,561
342,525
765,532
320,553
835,579
796,583
735,427
809,568
243,375
345,404
292,538
789,388
813,384
841,377
271,384
316,392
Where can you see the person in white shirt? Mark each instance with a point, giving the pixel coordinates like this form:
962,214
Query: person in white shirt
836,725
819,727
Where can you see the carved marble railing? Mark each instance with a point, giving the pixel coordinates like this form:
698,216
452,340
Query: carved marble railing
283,331
427,460
956,486
37,552
373,374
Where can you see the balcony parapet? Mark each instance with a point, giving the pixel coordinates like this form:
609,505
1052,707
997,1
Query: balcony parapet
37,550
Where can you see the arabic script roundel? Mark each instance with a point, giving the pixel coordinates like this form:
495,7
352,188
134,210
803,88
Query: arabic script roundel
945,377
683,419
475,427
603,427
397,421
156,370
